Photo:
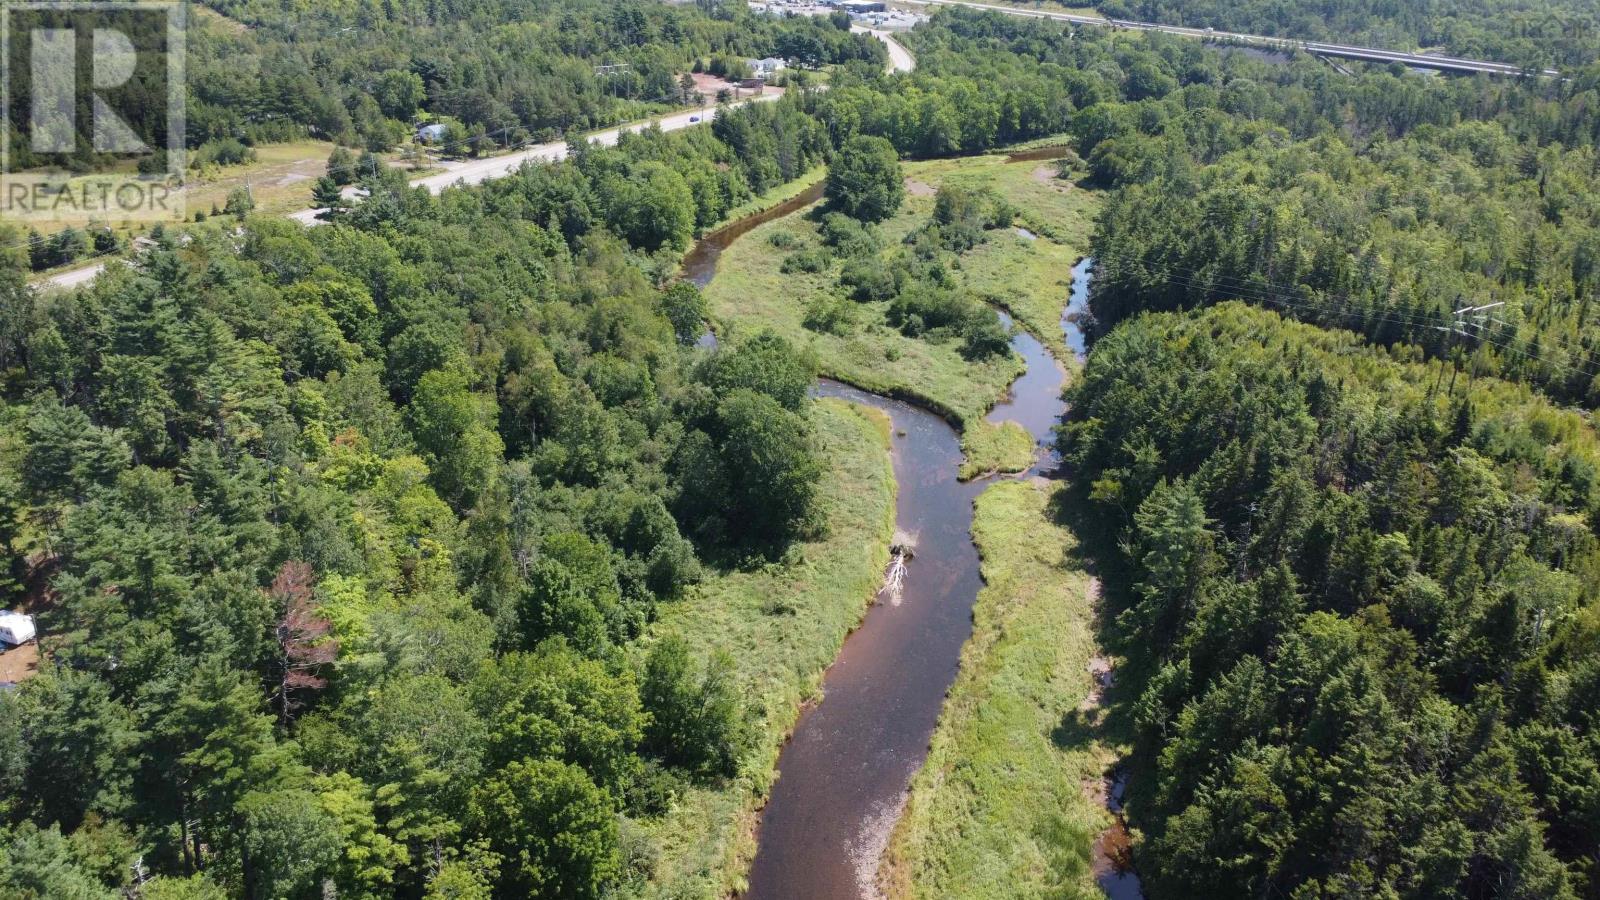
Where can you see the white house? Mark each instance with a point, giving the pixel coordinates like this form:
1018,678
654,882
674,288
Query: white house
766,68
16,628
432,134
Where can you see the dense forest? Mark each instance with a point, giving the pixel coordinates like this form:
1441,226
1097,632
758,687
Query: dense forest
359,73
1360,239
362,74
343,540
1353,574
1382,203
345,535
342,532
1360,595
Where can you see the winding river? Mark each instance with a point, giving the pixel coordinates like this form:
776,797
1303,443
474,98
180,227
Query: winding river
845,771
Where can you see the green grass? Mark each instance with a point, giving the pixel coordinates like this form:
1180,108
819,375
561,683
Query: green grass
777,195
1031,278
990,449
1000,809
783,625
750,293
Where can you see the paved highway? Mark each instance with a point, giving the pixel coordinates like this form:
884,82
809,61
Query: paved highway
480,170
900,59
1319,48
73,278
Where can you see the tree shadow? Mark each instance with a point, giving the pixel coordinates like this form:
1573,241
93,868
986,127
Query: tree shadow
1095,550
1076,730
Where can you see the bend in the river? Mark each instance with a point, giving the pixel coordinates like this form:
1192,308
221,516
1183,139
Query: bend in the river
845,771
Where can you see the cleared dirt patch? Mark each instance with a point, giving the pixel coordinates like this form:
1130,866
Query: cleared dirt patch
919,188
20,663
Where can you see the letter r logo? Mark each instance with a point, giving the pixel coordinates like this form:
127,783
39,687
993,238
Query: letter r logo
92,110
55,90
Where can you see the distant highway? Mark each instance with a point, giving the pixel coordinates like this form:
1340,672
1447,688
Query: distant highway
73,278
900,59
480,170
1317,48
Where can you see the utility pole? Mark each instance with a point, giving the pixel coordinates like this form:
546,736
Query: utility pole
1465,322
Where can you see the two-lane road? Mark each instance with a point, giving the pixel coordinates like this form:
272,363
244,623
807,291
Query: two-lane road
900,59
479,171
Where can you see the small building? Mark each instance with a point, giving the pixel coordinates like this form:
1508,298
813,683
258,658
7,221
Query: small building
862,7
766,68
16,628
432,134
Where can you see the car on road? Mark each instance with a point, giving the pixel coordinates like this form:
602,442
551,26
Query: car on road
693,119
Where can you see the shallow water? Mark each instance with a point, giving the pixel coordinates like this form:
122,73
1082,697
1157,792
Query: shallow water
1034,400
1056,151
700,266
1077,310
845,770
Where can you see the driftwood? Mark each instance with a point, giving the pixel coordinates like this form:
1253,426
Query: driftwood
894,577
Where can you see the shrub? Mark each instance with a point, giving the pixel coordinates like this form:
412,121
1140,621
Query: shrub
784,240
849,237
806,261
830,315
926,307
222,152
983,335
871,279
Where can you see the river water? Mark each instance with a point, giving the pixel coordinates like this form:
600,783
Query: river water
845,770
701,263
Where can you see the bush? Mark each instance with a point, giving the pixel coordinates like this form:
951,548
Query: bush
870,279
222,152
830,315
784,240
731,68
960,216
806,261
848,237
983,335
1070,164
925,307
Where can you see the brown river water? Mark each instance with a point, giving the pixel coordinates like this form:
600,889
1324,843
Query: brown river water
845,771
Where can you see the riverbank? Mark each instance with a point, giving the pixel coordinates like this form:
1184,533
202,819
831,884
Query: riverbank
1026,271
1006,804
988,448
751,292
783,625
778,195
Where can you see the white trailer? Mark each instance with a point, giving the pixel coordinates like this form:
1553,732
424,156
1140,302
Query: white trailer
16,628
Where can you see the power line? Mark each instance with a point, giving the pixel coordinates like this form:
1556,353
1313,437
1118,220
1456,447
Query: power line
1197,280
